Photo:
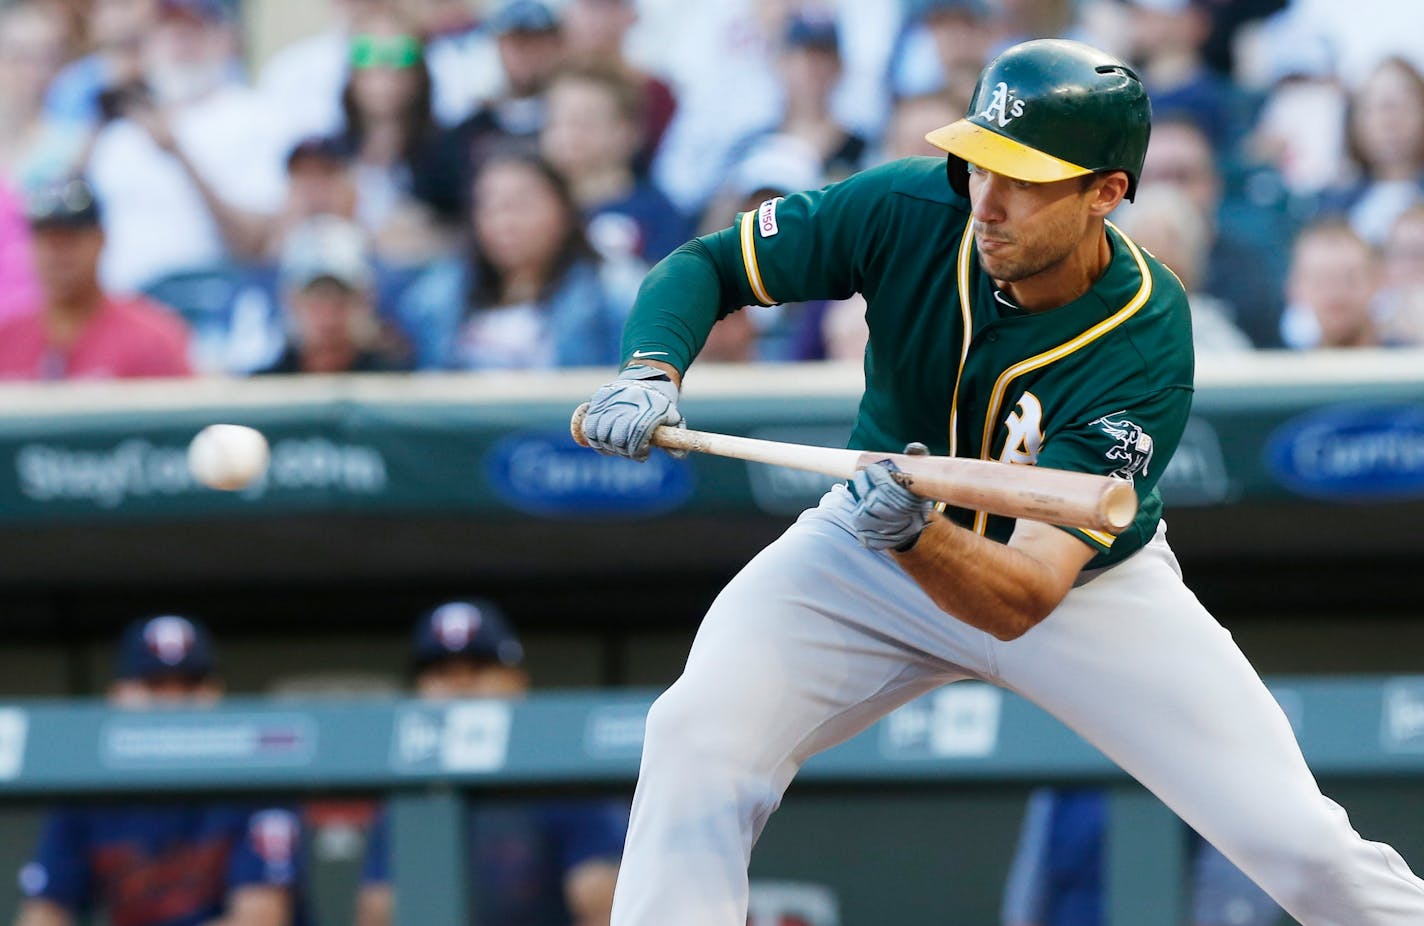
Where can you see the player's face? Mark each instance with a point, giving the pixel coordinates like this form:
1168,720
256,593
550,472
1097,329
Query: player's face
1022,229
164,692
468,678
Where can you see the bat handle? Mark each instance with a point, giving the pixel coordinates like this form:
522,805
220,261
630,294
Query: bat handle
576,425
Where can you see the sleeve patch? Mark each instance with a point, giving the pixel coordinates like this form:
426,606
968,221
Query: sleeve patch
1131,445
766,218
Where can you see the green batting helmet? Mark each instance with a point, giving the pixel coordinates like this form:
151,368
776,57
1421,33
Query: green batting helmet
1048,110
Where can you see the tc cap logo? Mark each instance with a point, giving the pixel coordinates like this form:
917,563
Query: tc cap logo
455,624
169,638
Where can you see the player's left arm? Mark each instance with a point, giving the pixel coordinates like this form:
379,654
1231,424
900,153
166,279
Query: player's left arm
1007,589
265,870
1002,589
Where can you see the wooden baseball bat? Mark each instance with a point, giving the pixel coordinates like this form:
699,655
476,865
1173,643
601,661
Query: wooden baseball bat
1053,496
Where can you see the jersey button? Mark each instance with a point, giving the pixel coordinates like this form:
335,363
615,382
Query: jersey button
992,336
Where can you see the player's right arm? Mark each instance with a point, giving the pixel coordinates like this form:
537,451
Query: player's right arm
814,245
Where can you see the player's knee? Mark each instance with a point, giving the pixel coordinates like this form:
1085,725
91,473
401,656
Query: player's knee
1312,861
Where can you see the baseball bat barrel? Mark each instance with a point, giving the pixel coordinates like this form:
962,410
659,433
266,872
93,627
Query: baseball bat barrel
1053,496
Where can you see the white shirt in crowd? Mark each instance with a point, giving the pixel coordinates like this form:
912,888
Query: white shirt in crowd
722,65
155,219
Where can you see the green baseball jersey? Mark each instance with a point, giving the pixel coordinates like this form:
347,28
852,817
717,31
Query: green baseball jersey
1100,385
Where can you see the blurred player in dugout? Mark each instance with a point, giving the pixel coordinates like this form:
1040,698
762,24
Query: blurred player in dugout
202,864
533,863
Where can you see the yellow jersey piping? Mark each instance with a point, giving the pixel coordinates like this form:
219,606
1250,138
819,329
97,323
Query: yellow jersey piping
749,258
1052,355
964,311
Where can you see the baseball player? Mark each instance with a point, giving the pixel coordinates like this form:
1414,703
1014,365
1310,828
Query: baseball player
1009,320
532,863
193,864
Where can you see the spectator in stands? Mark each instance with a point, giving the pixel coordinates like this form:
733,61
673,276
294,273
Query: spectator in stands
190,168
531,292
390,130
320,181
1386,141
1242,269
551,862
595,33
328,281
1057,879
912,119
1299,128
1402,301
1166,41
34,149
943,49
216,864
723,71
810,69
1164,221
301,84
531,51
78,331
592,136
462,54
1332,288
118,30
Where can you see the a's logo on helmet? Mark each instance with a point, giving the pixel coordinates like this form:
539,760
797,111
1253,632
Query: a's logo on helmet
1004,106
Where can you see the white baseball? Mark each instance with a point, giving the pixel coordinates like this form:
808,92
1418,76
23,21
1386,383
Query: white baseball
228,456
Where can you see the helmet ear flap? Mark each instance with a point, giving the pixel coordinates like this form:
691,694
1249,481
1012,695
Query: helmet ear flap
958,170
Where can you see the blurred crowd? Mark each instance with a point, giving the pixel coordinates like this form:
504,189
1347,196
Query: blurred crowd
481,184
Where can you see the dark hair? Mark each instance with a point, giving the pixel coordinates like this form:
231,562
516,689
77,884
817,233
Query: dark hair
1352,138
417,123
488,282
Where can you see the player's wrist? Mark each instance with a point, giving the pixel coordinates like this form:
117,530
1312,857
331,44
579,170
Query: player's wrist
673,374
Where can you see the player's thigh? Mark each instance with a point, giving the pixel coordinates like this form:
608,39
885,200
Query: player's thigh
803,648
1136,665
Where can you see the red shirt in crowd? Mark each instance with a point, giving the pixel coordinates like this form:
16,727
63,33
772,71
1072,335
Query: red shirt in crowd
127,337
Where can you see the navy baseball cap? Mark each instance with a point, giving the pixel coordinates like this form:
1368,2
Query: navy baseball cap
472,629
320,148
168,645
523,16
69,203
809,30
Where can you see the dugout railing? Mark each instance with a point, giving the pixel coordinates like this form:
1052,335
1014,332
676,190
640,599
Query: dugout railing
429,759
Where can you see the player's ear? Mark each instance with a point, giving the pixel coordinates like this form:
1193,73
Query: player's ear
1107,191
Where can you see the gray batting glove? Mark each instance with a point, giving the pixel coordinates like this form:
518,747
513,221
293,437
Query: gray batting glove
888,516
623,414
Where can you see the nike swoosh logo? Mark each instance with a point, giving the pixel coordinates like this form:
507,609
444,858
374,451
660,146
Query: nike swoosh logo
640,354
